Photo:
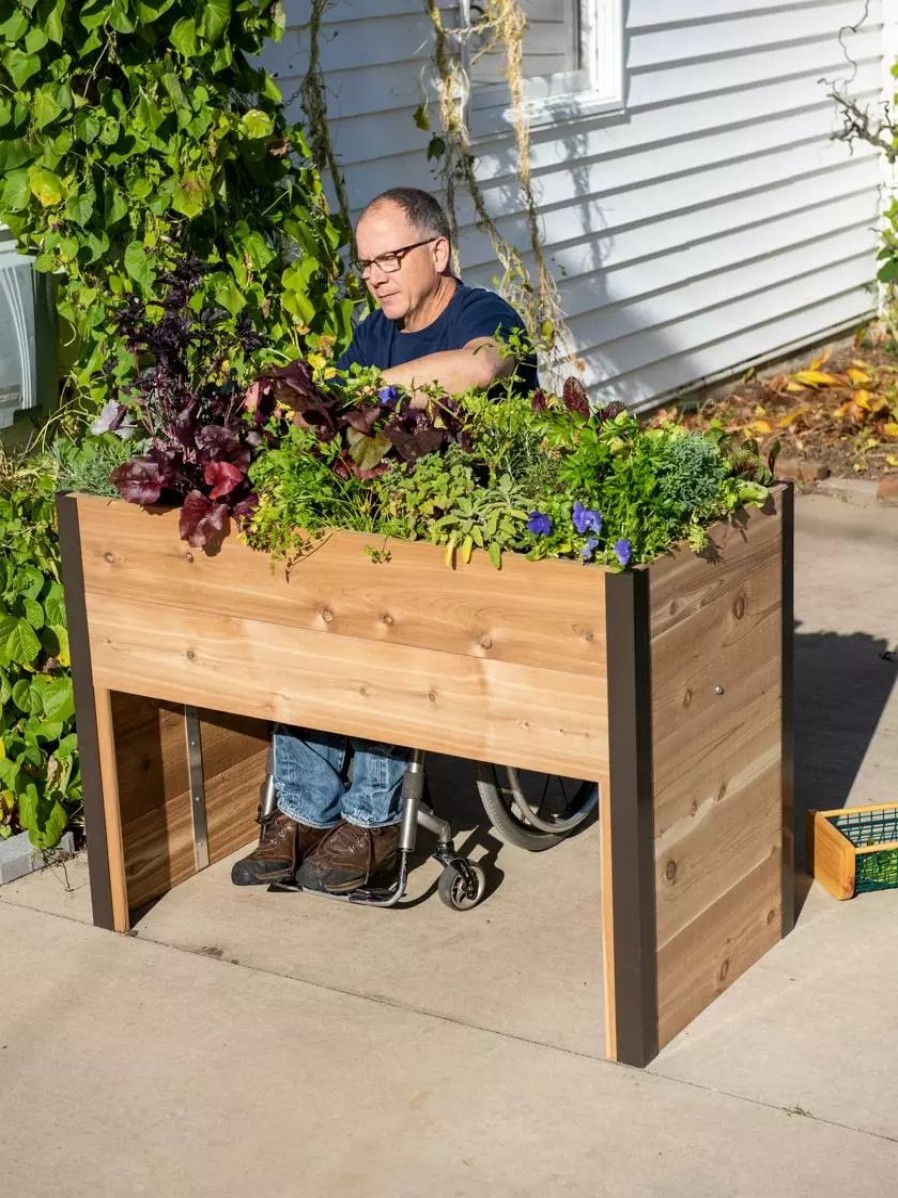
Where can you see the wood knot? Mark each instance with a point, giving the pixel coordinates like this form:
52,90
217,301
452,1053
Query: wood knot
191,654
327,615
363,691
721,792
693,810
724,969
589,635
739,607
432,696
674,607
670,871
771,916
110,557
687,697
486,642
388,620
188,557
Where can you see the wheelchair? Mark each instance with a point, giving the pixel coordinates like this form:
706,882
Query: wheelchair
528,810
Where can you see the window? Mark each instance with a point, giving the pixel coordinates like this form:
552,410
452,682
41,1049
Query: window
573,64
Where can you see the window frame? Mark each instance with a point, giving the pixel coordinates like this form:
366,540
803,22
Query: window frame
594,90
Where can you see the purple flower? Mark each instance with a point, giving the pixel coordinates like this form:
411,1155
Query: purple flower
588,551
622,549
539,524
388,394
586,519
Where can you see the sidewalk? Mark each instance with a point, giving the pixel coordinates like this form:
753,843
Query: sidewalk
243,1043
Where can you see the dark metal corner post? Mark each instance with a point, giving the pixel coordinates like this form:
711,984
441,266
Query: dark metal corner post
632,820
85,709
788,700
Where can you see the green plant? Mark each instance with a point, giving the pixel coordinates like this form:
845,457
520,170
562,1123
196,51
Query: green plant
132,131
40,781
549,478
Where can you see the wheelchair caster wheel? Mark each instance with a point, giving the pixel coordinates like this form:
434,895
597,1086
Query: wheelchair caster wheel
459,893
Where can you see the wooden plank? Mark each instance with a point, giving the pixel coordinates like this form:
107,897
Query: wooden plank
548,614
159,849
830,854
701,857
229,740
683,584
715,949
485,710
717,674
232,800
151,761
121,921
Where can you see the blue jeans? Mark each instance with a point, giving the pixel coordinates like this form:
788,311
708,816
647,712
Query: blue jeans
310,777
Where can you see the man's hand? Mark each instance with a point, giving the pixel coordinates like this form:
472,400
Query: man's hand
477,364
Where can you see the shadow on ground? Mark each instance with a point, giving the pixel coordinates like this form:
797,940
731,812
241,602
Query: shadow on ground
842,685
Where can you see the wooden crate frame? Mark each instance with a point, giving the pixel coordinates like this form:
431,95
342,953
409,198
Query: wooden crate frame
832,858
670,685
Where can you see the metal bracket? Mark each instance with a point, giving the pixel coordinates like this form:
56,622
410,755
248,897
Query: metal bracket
197,787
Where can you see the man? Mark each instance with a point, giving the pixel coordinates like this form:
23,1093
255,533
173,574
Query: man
328,832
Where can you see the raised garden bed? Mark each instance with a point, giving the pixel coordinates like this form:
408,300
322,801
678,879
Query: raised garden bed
668,684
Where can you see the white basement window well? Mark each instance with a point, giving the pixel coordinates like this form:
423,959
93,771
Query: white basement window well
573,65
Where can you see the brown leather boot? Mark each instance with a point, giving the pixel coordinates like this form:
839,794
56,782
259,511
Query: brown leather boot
283,843
349,857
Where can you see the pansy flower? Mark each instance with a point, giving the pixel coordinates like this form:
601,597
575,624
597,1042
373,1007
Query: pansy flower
539,524
622,551
588,551
388,394
586,520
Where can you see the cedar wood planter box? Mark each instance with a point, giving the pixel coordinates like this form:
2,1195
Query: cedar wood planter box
670,685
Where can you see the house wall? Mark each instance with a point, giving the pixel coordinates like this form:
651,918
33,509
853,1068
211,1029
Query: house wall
711,223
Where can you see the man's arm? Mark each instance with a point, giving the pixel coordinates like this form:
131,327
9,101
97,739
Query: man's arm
476,364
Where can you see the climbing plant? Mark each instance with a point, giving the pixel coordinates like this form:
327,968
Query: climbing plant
134,131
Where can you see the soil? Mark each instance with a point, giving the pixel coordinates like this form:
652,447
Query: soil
837,413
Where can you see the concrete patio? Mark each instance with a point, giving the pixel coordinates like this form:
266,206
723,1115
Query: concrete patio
242,1041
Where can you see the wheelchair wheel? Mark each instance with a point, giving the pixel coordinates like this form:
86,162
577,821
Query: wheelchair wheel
459,894
530,810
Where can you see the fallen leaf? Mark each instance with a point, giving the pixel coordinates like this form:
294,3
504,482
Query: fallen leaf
764,426
890,429
792,386
862,399
790,417
859,376
891,460
816,378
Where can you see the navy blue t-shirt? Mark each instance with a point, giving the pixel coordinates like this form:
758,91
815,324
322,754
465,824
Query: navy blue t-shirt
472,312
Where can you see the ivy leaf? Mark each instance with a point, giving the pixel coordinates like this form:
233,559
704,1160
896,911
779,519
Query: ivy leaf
45,186
16,194
45,105
59,699
44,817
138,264
215,19
183,37
256,124
420,117
228,294
34,613
18,642
151,10
21,66
191,196
14,27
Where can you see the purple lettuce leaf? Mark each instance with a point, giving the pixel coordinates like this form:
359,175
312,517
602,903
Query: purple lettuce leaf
222,477
204,524
575,397
138,480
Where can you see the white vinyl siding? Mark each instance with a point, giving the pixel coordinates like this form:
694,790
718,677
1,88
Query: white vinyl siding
710,222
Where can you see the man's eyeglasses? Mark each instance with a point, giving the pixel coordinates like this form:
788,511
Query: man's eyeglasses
388,263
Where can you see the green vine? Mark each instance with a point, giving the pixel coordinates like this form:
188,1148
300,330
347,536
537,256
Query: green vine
500,26
135,131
